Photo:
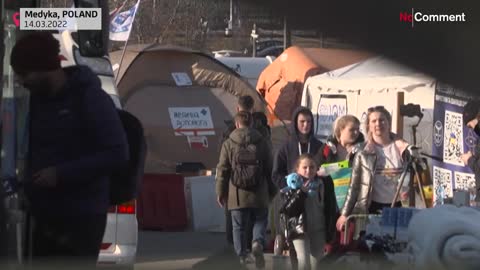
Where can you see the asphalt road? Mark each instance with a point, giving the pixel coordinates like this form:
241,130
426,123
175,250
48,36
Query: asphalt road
184,250
187,250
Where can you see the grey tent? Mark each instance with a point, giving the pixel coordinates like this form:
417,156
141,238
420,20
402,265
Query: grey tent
183,99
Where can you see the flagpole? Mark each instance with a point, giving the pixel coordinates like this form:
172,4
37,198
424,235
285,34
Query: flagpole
126,44
121,59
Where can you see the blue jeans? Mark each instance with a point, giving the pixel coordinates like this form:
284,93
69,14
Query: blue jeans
240,220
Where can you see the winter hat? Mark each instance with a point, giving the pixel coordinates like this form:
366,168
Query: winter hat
471,110
38,51
294,181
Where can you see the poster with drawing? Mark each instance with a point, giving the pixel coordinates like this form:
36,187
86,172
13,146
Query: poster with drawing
450,140
453,138
465,181
442,182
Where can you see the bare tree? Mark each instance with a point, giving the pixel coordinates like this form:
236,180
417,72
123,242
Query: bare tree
197,24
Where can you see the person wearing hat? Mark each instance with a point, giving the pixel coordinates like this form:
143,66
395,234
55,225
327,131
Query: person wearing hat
471,116
76,141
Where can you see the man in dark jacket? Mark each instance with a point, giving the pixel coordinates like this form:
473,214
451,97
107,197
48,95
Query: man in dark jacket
76,141
245,203
301,141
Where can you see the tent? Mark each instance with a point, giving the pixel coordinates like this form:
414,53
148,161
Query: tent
183,99
281,83
374,81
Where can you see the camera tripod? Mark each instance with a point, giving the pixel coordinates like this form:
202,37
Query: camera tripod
413,159
411,170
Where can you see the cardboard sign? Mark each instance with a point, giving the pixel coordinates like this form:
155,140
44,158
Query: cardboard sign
191,121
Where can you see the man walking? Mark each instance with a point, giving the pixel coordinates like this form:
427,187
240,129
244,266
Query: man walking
244,185
76,142
245,104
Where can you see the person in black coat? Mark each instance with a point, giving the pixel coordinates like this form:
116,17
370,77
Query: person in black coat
301,141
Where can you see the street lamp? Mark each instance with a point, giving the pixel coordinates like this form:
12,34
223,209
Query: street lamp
254,36
228,30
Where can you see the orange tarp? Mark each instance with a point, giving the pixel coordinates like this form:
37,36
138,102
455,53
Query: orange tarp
281,83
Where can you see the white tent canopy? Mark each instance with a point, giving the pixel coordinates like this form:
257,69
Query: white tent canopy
375,81
248,67
373,67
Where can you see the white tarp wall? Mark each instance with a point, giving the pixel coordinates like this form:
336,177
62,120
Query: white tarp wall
248,67
376,81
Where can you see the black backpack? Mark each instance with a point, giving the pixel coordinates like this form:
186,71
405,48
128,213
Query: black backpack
125,182
246,167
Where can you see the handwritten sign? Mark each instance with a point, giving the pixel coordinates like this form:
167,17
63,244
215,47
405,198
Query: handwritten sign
191,121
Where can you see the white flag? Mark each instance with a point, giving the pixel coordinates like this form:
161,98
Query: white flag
114,12
121,24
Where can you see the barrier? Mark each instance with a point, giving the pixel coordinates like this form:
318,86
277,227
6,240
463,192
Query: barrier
161,203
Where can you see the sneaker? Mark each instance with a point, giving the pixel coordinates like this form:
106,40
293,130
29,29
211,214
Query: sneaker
257,251
244,260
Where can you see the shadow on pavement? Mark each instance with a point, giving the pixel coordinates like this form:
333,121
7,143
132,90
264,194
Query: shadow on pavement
225,259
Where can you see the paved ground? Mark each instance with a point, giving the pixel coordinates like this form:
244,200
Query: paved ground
189,250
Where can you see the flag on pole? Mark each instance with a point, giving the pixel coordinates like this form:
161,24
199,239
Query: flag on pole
114,12
121,24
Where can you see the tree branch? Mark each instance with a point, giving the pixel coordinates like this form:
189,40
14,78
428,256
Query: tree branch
159,39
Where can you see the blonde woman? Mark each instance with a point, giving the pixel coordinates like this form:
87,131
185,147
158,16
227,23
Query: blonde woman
346,134
376,169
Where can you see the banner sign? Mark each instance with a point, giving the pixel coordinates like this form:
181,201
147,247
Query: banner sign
451,138
341,175
329,108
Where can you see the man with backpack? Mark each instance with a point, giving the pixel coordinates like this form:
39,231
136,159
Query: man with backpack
244,186
259,122
75,145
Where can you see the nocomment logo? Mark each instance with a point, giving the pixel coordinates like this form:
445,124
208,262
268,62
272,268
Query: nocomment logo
414,17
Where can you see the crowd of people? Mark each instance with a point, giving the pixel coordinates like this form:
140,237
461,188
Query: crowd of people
309,215
69,171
